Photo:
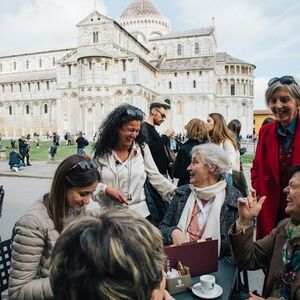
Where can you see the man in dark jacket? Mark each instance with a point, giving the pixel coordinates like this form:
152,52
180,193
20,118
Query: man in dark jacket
24,149
81,143
15,160
156,142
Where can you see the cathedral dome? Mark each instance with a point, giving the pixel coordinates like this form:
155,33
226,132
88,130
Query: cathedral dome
144,21
141,8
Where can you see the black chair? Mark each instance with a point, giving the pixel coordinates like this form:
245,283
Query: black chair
5,256
1,199
241,288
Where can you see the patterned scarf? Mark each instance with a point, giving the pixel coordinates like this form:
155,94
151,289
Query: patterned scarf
290,259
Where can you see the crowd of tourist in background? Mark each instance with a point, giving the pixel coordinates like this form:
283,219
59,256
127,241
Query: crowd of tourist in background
141,209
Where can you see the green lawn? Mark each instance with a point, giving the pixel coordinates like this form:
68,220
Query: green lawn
64,151
41,153
247,158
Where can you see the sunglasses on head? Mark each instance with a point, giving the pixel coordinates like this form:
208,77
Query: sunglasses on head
86,165
283,80
135,112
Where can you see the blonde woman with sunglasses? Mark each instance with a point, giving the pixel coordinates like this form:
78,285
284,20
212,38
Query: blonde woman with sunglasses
35,234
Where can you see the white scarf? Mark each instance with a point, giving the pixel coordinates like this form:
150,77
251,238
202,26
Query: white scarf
215,193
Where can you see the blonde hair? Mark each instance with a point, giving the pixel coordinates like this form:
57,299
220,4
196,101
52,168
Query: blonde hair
196,130
118,255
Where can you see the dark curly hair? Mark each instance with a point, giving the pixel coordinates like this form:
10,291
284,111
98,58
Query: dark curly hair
108,131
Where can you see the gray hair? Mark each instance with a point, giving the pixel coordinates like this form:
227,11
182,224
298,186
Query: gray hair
293,89
213,155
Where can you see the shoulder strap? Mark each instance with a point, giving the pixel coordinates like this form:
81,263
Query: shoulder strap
142,150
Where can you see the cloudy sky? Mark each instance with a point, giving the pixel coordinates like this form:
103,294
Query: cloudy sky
265,33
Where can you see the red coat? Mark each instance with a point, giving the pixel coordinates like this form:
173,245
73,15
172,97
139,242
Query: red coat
265,174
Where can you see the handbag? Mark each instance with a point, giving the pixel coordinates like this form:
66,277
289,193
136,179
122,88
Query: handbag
239,182
171,160
155,203
188,255
170,154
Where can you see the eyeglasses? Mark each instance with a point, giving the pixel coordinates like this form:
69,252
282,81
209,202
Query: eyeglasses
283,80
86,165
162,114
135,112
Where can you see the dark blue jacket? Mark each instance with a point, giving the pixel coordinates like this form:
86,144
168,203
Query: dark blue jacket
14,158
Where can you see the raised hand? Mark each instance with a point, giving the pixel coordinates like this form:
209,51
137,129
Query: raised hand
249,208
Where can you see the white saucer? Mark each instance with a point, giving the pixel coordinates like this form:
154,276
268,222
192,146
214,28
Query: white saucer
217,292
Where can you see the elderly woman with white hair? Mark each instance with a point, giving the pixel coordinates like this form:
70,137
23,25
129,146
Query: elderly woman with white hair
207,206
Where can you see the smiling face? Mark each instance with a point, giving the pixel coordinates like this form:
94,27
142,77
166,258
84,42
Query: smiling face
200,173
283,105
128,133
78,197
293,197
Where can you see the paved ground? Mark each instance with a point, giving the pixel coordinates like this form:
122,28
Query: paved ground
24,187
39,169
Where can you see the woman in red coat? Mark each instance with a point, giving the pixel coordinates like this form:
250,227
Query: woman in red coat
278,149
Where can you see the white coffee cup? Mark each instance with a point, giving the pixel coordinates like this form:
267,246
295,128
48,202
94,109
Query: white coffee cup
207,283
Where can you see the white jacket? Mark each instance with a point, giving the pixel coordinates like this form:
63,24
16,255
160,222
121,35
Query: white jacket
233,155
132,178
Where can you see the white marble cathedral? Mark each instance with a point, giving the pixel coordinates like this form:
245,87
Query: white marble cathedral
137,60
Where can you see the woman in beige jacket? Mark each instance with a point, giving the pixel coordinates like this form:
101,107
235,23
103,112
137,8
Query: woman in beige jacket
36,232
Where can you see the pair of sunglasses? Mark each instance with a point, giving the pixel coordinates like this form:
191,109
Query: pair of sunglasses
161,114
283,80
86,165
135,112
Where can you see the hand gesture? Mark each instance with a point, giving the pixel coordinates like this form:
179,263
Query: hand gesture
254,297
178,237
249,207
167,296
115,194
169,132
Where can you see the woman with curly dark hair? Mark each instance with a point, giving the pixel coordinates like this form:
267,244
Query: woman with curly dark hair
126,162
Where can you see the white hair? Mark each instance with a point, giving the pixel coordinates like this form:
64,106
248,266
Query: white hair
213,155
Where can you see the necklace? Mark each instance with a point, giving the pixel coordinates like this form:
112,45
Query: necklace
119,166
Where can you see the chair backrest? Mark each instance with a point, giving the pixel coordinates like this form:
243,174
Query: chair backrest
5,256
1,199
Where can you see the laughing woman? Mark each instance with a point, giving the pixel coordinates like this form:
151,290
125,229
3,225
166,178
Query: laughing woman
35,234
126,162
205,207
277,150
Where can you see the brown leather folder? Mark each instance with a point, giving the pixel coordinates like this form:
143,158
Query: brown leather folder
201,256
